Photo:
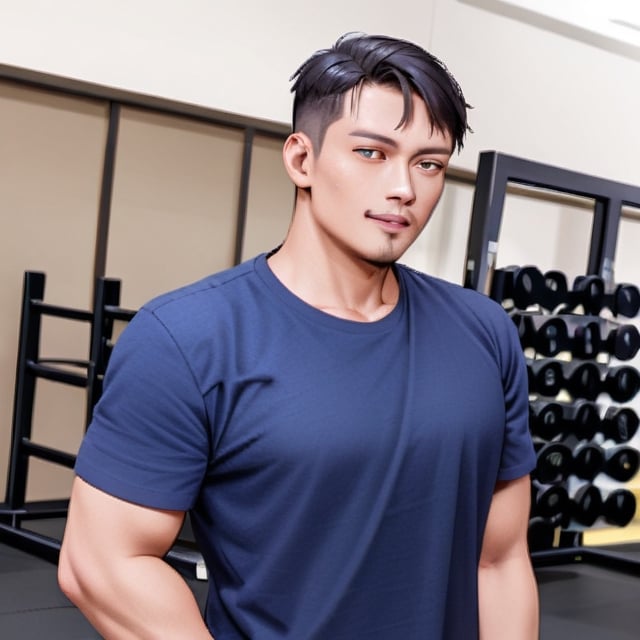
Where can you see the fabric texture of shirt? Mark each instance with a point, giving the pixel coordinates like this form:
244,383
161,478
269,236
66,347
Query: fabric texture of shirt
339,473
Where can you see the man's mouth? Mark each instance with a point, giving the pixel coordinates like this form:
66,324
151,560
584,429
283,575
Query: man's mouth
392,219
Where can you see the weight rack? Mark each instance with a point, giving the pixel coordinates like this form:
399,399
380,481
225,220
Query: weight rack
495,173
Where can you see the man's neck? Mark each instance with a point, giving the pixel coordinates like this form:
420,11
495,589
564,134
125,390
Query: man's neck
335,283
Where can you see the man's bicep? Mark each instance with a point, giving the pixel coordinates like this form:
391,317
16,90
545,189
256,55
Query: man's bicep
101,525
506,529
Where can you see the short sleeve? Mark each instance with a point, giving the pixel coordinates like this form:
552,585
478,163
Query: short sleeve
518,456
148,441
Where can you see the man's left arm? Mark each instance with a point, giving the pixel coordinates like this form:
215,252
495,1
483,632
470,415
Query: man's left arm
508,593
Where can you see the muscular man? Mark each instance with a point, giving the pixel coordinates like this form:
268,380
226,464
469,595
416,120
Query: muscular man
349,436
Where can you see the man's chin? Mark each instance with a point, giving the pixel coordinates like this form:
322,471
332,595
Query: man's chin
383,261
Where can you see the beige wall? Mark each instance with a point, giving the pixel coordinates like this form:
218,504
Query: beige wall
270,198
51,164
234,59
174,203
536,93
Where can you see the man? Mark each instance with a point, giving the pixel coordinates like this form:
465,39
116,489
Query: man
350,436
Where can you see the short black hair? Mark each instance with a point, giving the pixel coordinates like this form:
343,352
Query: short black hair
322,81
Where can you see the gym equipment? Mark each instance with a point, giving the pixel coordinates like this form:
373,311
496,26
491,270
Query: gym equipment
554,461
584,337
30,367
619,424
573,340
548,500
586,505
87,374
619,507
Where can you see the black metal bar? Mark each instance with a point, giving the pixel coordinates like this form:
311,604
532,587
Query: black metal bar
47,453
599,557
106,192
243,195
595,258
106,298
55,374
551,557
486,216
118,313
188,562
34,543
37,510
61,312
33,289
609,239
496,170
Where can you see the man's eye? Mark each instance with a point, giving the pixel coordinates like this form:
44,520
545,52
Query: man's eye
429,165
371,154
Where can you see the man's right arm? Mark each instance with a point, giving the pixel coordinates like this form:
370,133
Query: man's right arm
112,568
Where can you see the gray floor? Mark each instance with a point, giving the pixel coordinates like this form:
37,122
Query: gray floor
32,607
578,602
586,602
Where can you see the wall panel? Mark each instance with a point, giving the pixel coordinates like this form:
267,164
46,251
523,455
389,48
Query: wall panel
174,202
50,171
271,195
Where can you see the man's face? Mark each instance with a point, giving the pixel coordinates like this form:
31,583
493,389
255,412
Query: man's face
374,186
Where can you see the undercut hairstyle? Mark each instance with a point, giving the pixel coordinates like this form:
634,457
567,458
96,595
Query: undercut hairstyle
321,83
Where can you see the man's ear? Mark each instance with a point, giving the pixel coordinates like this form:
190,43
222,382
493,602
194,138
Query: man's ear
297,154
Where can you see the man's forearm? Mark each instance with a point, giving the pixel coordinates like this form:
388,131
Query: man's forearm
137,598
508,601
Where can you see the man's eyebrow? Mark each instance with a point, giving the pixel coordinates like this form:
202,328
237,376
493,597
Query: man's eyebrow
362,133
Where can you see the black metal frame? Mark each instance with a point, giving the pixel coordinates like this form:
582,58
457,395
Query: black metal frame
29,368
495,172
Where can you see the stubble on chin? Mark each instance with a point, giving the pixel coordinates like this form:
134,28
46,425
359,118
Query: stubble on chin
386,255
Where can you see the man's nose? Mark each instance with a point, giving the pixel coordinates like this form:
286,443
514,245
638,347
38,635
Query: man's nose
400,183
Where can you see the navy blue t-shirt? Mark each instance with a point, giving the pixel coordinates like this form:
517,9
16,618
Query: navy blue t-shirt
338,473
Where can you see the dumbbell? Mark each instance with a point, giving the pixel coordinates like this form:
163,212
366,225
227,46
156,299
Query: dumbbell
589,292
621,462
545,376
582,379
619,507
553,461
541,533
587,458
585,504
549,419
548,377
524,285
619,424
584,336
548,500
622,383
546,419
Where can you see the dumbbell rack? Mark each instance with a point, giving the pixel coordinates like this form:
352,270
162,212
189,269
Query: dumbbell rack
570,336
579,383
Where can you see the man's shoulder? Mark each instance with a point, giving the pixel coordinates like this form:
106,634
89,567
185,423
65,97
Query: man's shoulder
457,307
446,290
210,290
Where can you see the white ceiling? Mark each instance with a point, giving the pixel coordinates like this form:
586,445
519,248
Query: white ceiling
610,24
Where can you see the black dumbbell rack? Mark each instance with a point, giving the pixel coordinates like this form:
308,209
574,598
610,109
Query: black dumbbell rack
579,344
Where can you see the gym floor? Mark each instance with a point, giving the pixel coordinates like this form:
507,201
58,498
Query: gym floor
577,600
